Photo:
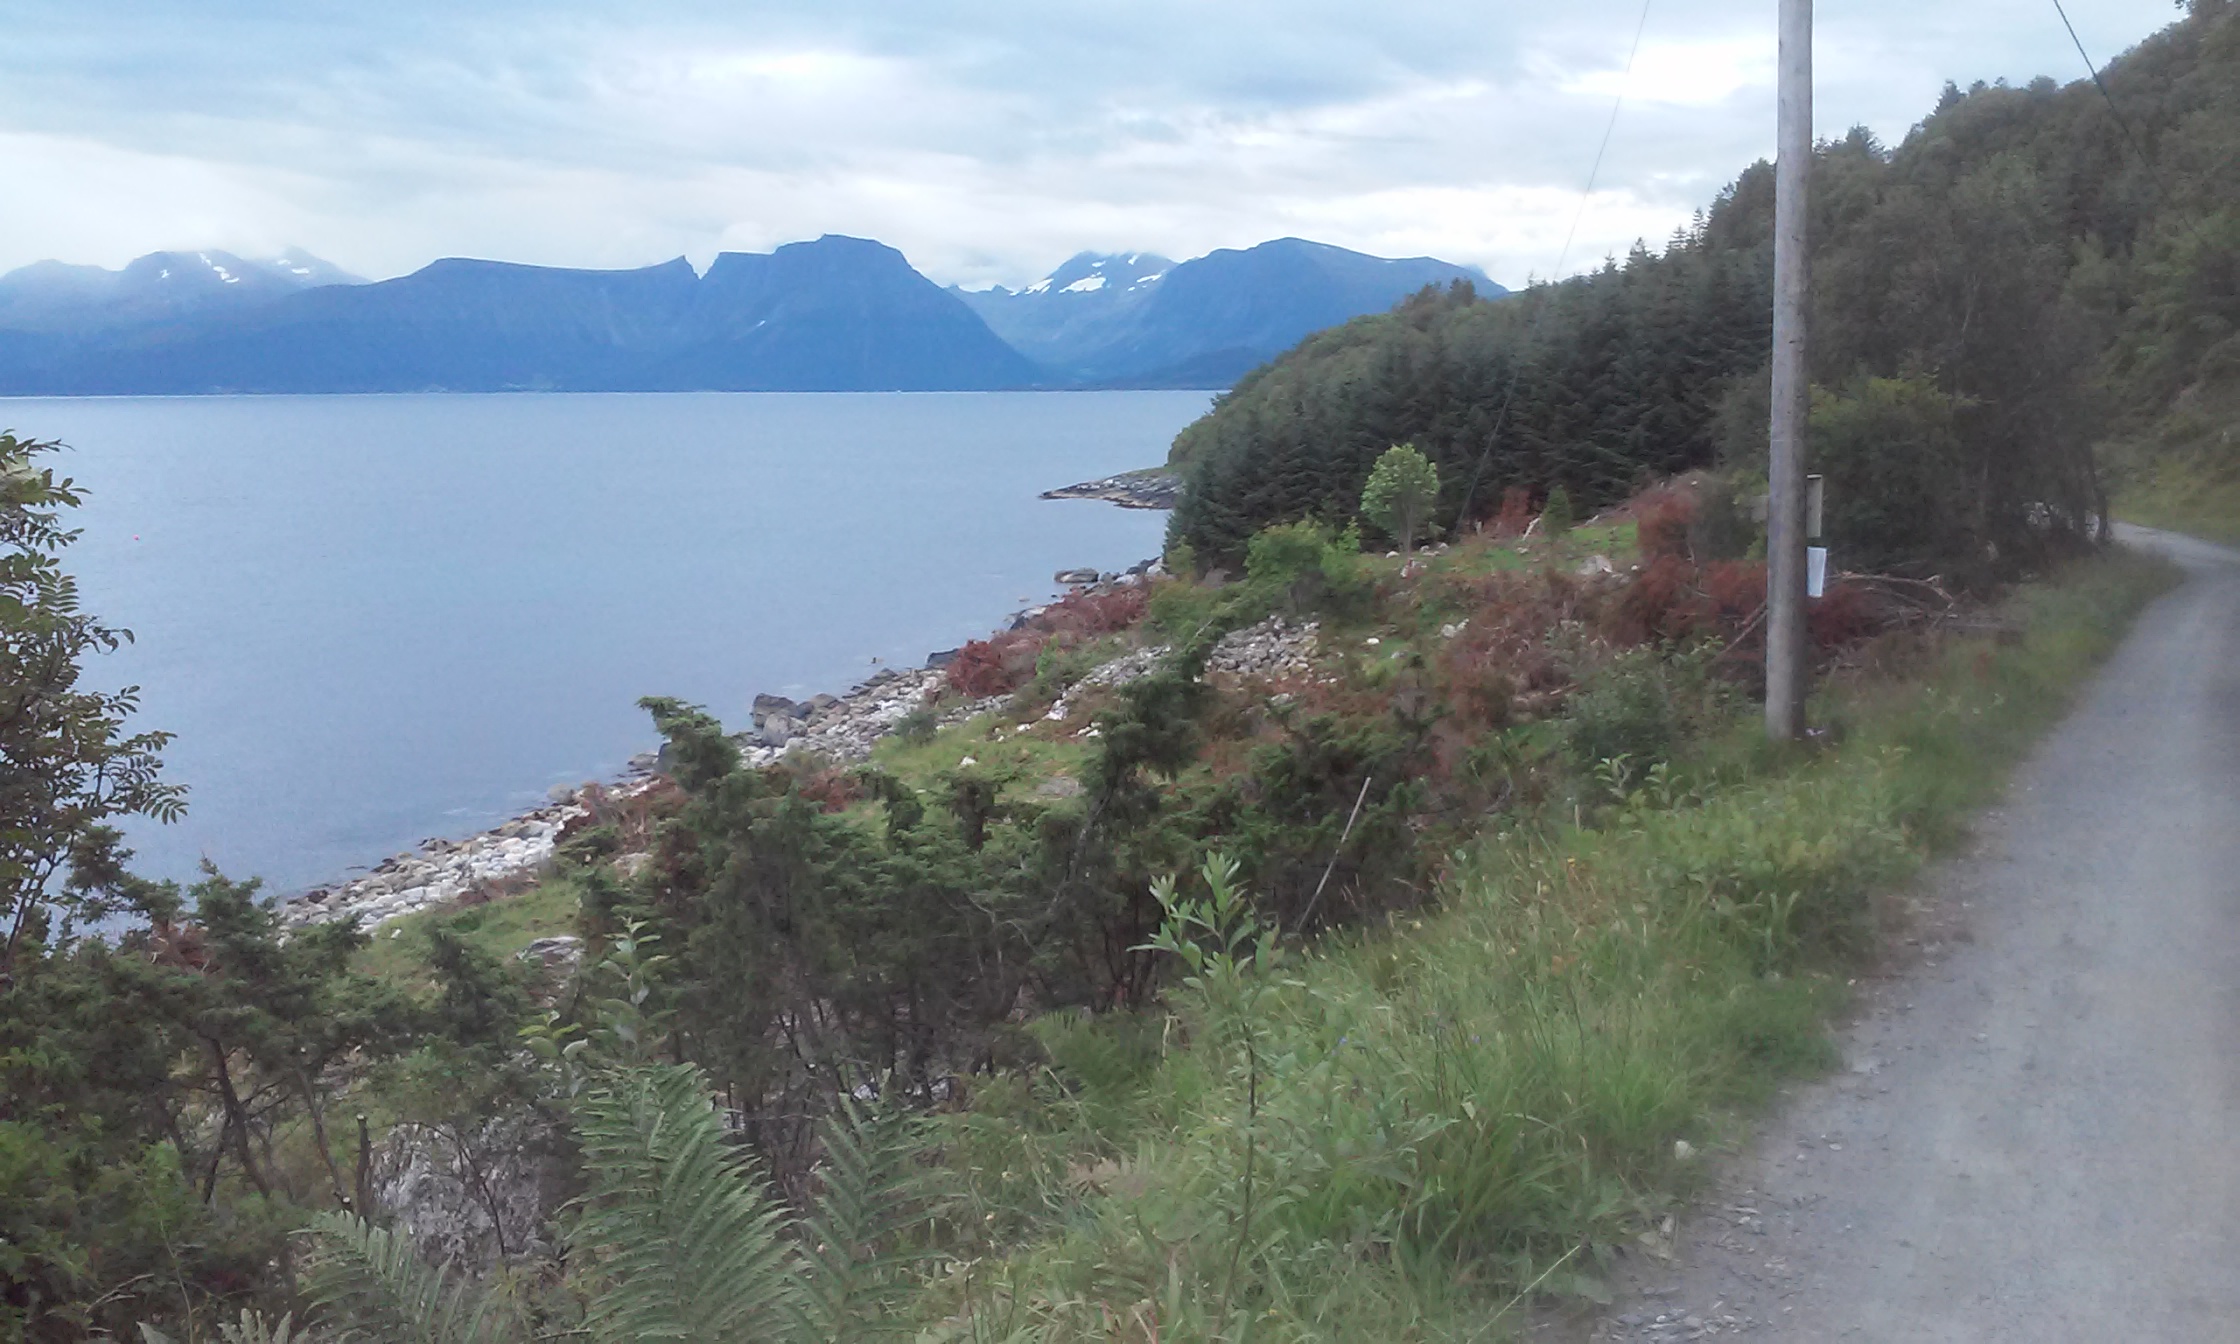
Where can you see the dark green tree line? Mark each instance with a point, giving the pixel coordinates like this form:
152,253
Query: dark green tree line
2054,271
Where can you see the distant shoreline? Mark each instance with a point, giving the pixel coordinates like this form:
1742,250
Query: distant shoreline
1147,488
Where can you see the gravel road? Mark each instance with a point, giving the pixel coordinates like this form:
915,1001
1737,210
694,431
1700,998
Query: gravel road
2037,1132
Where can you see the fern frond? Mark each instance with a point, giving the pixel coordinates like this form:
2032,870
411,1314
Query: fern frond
254,1329
369,1283
684,1241
868,1189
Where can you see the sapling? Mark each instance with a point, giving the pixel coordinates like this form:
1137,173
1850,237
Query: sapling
1229,953
1556,516
1403,486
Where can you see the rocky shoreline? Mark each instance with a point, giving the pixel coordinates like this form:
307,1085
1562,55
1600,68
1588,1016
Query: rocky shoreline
442,872
842,729
1156,488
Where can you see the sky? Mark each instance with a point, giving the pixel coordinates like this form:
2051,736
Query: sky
988,139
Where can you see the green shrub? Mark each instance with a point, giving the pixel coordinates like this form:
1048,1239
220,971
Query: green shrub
1637,707
1722,528
1180,608
1304,566
1897,494
1556,516
917,727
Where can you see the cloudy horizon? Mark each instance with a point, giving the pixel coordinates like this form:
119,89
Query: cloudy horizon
988,142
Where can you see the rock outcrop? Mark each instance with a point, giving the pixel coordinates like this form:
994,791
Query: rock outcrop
473,1198
1273,650
845,728
1135,490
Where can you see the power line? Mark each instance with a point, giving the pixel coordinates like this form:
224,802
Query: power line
2122,124
1594,174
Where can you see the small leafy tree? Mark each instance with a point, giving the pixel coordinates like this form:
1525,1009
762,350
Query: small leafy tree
1230,956
1403,486
1899,477
68,768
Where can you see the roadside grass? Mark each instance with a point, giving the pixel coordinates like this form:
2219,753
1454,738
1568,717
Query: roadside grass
1392,1133
2188,493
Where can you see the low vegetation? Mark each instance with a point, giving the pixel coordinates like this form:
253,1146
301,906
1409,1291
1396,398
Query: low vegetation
1387,1133
2194,493
1350,970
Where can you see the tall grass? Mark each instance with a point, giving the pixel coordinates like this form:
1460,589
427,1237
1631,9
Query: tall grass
1440,1113
2196,493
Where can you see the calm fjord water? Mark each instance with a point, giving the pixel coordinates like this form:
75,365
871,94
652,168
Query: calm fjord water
372,620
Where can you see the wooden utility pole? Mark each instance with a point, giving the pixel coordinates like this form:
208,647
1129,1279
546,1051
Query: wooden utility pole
1785,634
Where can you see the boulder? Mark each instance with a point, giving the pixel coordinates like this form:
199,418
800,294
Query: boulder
553,951
1074,577
936,661
479,1199
777,730
766,705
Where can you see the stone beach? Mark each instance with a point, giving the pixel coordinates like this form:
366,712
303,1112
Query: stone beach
841,729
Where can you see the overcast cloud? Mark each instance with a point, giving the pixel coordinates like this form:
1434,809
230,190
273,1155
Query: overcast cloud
987,140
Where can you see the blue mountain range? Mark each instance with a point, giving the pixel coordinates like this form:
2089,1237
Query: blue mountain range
1139,320
836,314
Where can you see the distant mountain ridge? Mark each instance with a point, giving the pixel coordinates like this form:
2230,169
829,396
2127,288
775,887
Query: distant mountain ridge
56,296
1140,320
1065,319
835,314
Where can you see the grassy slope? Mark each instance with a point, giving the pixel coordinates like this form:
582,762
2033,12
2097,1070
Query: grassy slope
1439,1112
2182,472
2185,494
502,928
1436,1113
1028,764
